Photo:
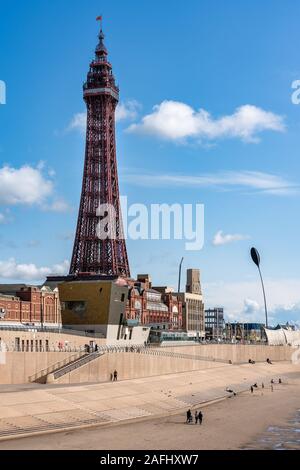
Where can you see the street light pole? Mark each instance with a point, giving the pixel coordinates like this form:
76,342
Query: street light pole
179,275
256,260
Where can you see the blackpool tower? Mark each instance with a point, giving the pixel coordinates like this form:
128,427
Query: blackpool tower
91,253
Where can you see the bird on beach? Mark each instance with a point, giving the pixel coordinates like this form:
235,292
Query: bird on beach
230,391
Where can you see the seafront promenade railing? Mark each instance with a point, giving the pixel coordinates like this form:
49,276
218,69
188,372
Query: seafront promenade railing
76,364
57,365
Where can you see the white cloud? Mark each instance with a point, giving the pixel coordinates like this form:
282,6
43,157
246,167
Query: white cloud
28,186
243,301
251,307
221,238
10,269
59,205
229,180
127,110
78,123
176,121
25,185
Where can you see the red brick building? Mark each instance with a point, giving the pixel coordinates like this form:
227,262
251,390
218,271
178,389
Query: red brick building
20,303
151,306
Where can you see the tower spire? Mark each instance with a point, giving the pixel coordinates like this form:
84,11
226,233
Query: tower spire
101,49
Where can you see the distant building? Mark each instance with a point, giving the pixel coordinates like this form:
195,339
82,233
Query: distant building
96,304
158,305
29,305
120,309
250,332
193,306
214,323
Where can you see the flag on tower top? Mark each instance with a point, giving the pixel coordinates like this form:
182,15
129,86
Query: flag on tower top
99,18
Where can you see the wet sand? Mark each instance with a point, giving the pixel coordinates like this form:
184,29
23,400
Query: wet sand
230,424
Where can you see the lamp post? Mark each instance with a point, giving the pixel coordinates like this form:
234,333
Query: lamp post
179,274
256,260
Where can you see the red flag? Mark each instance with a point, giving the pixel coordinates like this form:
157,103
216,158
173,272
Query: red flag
99,18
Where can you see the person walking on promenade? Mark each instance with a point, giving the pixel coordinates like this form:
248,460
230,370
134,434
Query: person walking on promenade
280,381
200,417
196,417
262,385
272,388
115,376
188,416
251,388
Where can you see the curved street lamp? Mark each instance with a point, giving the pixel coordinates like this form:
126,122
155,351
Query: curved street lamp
256,259
179,274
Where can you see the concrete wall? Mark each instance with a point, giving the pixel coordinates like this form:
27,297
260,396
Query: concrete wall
133,365
236,352
18,366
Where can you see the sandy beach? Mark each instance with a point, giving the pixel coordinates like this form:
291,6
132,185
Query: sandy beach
229,424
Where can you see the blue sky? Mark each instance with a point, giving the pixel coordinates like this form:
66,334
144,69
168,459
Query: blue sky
218,56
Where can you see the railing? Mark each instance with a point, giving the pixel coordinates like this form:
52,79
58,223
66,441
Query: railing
49,329
57,365
158,352
76,364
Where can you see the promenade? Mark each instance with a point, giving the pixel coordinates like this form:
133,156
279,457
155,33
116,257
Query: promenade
38,409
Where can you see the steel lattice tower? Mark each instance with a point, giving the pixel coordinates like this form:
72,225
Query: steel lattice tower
100,179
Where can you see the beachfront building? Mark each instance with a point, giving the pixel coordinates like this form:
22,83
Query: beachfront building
214,323
193,306
27,305
245,332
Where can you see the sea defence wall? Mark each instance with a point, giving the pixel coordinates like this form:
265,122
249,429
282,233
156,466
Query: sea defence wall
237,353
169,360
19,366
132,365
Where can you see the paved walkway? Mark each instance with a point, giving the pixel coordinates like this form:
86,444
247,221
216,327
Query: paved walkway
50,408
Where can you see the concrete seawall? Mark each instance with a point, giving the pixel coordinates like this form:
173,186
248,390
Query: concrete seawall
135,365
237,353
20,365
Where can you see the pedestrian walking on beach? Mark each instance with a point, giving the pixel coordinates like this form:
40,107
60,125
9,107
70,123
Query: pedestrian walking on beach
251,388
196,417
200,417
280,381
262,385
115,376
188,416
